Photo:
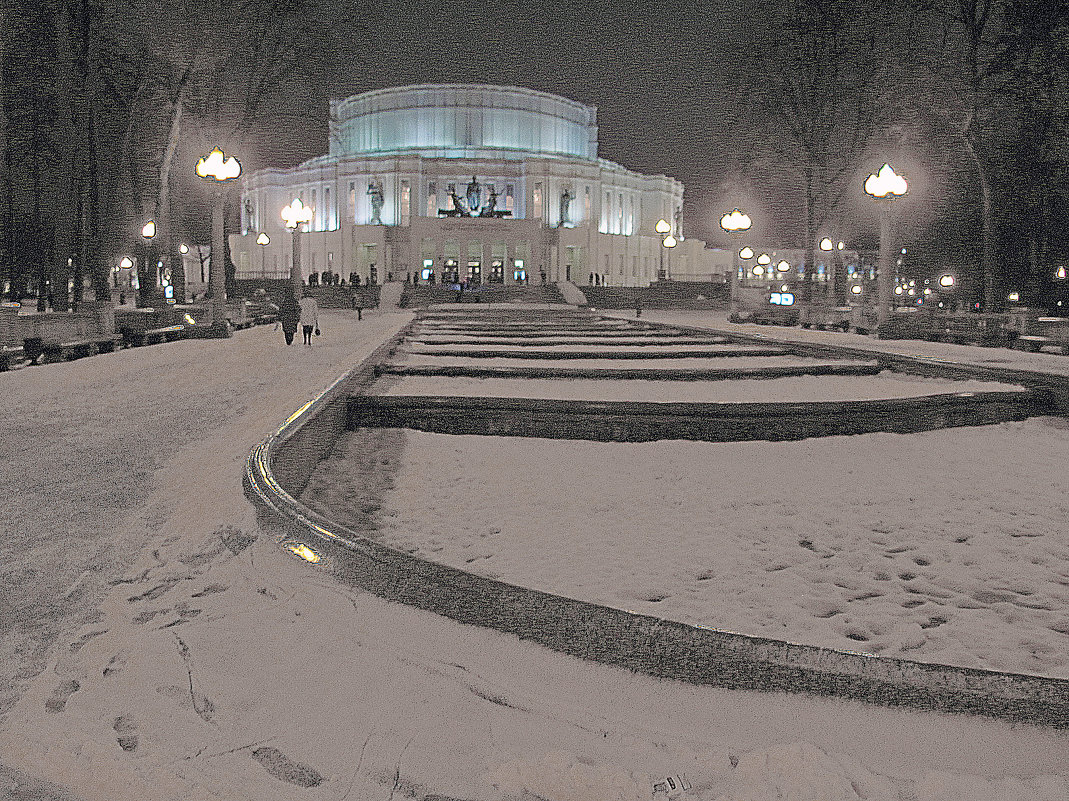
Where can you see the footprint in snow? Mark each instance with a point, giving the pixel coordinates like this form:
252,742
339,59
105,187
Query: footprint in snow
127,731
57,702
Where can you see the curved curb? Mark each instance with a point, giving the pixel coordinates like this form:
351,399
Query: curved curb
279,466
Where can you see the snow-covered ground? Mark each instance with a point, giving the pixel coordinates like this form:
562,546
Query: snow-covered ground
899,545
158,646
885,384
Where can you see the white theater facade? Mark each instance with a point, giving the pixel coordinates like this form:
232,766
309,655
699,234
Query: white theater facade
487,184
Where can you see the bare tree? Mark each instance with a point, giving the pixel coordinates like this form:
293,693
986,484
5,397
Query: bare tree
823,85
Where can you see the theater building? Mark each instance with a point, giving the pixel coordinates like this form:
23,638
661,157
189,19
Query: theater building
475,183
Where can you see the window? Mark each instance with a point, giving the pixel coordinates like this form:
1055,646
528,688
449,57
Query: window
452,188
621,265
406,197
509,201
352,201
432,199
537,200
317,218
586,204
329,221
619,214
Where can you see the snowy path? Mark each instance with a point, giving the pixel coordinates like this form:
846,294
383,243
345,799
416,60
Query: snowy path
219,668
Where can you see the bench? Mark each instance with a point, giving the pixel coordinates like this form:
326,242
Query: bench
1031,342
152,336
10,356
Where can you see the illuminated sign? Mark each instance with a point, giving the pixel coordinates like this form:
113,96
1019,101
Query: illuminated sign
781,299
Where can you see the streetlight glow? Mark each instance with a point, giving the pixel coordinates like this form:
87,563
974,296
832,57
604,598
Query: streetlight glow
669,241
825,244
149,229
735,221
183,249
297,213
216,165
746,253
886,184
263,239
783,266
1060,273
764,258
126,263
946,280
856,289
662,227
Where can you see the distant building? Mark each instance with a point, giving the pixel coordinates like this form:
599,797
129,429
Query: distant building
485,184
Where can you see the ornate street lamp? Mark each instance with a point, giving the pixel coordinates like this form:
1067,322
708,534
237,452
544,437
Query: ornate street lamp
885,187
263,240
295,215
735,223
218,170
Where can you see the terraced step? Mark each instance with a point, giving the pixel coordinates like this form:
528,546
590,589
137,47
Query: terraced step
652,373
635,421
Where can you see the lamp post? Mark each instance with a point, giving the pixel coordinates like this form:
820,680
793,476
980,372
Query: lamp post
668,243
263,240
218,170
735,223
295,215
885,187
663,228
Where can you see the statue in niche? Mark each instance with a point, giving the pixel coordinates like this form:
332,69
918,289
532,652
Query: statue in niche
491,204
678,217
374,191
248,212
565,203
474,194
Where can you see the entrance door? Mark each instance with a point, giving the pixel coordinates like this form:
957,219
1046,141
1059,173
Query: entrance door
475,273
497,272
567,272
451,273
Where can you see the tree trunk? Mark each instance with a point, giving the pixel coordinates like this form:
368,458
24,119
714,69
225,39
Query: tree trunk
167,249
6,274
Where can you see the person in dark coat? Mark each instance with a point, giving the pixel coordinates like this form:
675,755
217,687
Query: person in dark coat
288,315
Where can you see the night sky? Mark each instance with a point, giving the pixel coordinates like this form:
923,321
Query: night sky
661,79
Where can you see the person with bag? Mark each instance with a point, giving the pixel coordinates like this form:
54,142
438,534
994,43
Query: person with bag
309,317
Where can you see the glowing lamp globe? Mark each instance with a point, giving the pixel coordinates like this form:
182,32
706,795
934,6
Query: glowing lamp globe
218,166
746,253
669,241
825,244
149,230
764,258
126,263
886,184
735,221
946,280
856,289
662,227
783,266
263,239
296,213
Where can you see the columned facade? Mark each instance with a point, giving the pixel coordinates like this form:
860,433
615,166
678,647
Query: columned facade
464,183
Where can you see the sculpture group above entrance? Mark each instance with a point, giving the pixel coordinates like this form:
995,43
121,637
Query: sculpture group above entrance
471,205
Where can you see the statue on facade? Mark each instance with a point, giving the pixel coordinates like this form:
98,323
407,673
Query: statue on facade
474,194
458,209
491,204
565,203
678,217
374,191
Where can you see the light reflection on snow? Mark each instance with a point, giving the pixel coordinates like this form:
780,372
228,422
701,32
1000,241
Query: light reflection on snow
303,551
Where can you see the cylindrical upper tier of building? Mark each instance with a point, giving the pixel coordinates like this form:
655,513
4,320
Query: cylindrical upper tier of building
462,120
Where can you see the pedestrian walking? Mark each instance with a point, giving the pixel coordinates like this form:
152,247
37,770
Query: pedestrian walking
309,318
288,315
